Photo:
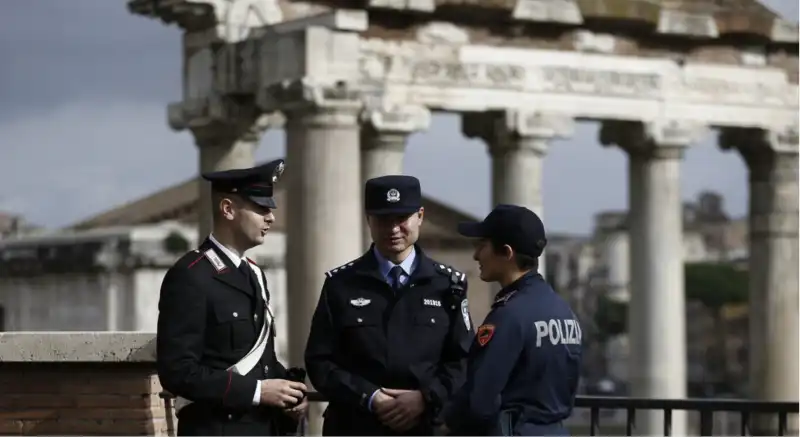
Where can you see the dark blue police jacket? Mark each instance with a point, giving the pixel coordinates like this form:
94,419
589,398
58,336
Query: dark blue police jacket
523,367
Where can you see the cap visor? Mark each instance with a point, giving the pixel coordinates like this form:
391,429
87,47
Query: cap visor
471,229
267,202
391,211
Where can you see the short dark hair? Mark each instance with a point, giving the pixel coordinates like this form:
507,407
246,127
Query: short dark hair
524,262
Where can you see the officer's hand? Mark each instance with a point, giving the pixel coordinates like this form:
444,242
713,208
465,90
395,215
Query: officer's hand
281,393
299,411
405,410
381,403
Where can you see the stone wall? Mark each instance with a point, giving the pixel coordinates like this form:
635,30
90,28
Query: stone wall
80,384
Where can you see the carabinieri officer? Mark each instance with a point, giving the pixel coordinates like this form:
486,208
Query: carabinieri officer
215,340
524,364
391,330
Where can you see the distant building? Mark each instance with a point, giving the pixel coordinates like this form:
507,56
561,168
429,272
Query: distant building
14,225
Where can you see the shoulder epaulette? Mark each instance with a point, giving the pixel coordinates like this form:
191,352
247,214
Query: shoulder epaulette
339,269
454,274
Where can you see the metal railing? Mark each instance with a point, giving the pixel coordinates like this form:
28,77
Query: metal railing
705,407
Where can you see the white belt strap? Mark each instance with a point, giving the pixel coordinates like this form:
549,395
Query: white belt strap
246,364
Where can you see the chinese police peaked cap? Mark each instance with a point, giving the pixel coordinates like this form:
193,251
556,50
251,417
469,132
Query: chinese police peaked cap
256,183
392,194
517,226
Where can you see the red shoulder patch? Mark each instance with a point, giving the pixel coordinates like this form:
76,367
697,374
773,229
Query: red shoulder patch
251,262
484,334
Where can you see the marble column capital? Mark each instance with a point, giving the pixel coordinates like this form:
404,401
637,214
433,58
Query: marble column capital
517,129
246,128
390,126
311,103
765,151
662,139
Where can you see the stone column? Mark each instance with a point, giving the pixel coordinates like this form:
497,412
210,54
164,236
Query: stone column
324,206
657,310
771,158
224,146
517,142
384,135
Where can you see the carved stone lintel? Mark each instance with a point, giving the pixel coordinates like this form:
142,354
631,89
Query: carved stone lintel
513,129
672,21
560,11
662,139
438,32
411,5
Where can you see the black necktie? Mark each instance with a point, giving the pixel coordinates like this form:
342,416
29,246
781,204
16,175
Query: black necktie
395,274
247,271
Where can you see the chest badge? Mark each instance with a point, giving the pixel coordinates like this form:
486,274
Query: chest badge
360,302
432,302
465,314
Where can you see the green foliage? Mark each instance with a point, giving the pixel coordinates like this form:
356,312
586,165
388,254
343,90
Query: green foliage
611,317
715,285
175,243
712,284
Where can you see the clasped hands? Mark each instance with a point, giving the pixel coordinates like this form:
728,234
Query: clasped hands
400,410
285,394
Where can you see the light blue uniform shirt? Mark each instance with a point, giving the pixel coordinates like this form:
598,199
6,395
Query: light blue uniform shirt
386,266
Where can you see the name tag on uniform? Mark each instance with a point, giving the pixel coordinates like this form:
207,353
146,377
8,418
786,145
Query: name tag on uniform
360,302
432,302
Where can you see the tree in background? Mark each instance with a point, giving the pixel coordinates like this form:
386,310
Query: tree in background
714,285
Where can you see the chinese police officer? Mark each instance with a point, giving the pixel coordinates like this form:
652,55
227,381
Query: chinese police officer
523,367
390,334
215,340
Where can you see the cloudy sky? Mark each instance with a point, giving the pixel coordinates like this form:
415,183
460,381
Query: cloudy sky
83,91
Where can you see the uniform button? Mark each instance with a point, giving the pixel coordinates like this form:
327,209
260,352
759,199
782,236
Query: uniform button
230,416
266,368
433,320
359,320
235,314
255,316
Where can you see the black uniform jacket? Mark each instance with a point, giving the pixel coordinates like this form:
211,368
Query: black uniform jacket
524,365
364,337
210,316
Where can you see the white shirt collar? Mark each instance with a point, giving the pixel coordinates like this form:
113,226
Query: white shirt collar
236,260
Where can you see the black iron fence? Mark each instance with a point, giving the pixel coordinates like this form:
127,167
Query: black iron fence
777,411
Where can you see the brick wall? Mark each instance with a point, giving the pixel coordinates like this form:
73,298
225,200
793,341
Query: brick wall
81,399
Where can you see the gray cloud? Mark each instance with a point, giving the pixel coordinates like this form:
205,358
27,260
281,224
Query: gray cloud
83,127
